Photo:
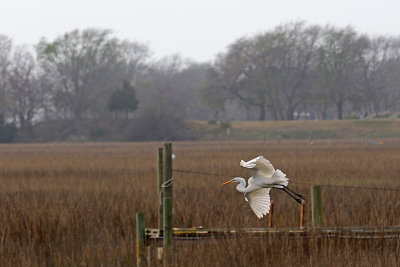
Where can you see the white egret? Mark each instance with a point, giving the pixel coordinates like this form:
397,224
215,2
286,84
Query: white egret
263,179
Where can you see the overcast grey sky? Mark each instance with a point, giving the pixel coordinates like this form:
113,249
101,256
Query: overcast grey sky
194,29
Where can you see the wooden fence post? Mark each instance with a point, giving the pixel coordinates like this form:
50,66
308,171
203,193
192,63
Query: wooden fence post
302,207
316,206
160,189
167,203
271,213
140,240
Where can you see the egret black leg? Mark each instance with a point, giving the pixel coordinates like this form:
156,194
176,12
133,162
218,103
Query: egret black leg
298,200
297,194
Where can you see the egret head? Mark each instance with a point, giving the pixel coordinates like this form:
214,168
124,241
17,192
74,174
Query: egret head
235,180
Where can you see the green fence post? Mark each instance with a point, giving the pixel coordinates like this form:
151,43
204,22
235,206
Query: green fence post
167,203
316,206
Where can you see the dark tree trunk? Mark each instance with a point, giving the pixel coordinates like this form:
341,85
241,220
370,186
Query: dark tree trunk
274,113
216,115
261,116
339,106
248,113
290,115
375,104
22,121
323,114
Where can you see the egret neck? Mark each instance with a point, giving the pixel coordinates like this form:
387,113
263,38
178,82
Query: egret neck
242,185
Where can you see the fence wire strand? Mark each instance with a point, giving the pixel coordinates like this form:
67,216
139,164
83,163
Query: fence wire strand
295,182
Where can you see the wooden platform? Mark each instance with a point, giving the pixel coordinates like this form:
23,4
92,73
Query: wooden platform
152,235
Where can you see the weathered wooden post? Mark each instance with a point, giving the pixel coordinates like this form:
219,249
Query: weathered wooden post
140,240
160,189
160,178
271,213
167,203
316,206
302,207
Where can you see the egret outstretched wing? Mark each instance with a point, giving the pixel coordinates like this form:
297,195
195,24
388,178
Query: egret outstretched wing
259,201
262,167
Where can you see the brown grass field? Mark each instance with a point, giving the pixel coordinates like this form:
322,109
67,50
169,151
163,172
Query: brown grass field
75,204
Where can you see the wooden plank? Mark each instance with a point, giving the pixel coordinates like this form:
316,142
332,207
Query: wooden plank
368,232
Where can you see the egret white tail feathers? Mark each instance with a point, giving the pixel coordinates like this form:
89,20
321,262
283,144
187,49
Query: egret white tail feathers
278,177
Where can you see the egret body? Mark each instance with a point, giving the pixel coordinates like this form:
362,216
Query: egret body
264,178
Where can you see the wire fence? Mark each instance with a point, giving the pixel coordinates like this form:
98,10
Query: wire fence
296,182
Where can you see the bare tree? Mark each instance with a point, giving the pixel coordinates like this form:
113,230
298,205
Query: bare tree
24,91
296,46
86,66
5,51
320,99
159,93
241,73
340,55
211,93
373,75
389,95
271,71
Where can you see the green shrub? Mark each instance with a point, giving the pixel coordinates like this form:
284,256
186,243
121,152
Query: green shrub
224,124
8,131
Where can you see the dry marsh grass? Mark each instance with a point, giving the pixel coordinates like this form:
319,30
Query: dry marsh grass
75,204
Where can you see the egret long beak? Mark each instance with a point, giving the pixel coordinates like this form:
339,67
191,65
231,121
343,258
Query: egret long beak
230,181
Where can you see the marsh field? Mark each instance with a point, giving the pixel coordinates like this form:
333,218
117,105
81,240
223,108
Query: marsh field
75,204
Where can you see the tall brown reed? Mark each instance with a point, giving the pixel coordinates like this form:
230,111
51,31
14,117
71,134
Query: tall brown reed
75,204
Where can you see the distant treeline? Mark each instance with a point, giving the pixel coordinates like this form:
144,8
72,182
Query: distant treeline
297,70
90,85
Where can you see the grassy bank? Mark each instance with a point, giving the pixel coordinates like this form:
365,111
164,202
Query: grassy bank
332,129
